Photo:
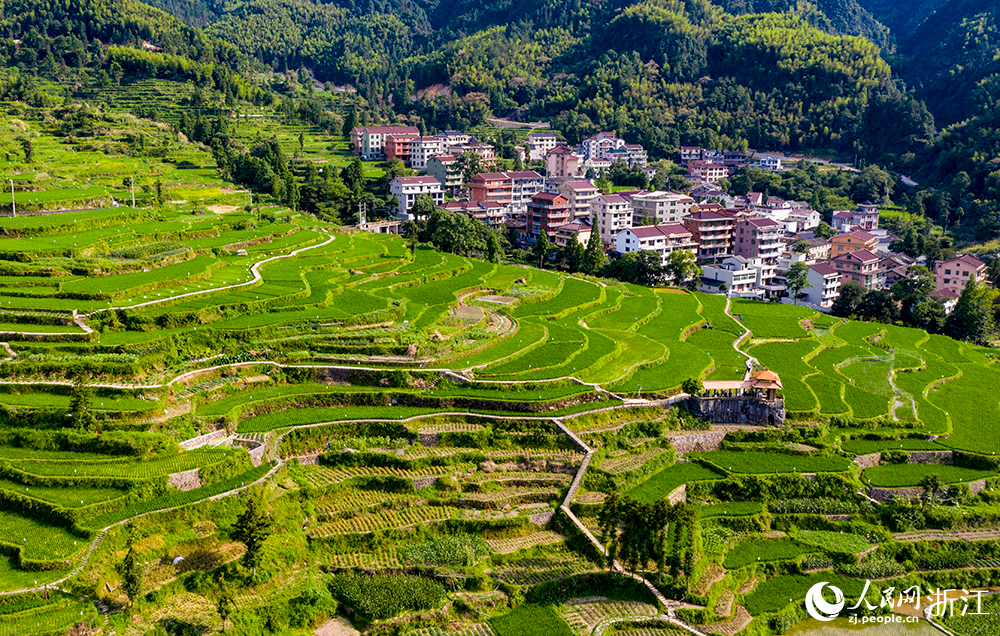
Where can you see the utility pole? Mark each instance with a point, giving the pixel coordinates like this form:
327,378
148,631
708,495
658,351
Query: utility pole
13,201
362,215
131,185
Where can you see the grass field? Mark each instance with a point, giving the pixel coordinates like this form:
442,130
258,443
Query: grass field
909,475
754,462
667,480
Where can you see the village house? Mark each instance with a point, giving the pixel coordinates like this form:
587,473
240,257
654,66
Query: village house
852,241
407,189
579,194
490,213
660,206
712,231
447,170
824,285
562,163
610,213
370,141
661,239
422,149
733,276
860,267
578,231
865,217
706,172
539,145
954,273
546,212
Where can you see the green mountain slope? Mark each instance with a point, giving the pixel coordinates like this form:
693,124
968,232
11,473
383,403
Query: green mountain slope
841,17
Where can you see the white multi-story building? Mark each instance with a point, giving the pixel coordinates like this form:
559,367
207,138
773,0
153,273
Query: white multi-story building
371,139
539,145
600,145
407,189
660,206
662,239
422,149
610,214
824,285
738,274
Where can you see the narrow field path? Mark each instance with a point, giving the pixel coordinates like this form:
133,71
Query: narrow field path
751,361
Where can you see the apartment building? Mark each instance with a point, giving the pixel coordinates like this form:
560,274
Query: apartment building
570,232
539,145
447,170
562,163
860,267
852,241
610,214
579,194
422,149
660,206
511,189
546,212
713,231
865,217
662,239
370,141
824,285
407,189
954,273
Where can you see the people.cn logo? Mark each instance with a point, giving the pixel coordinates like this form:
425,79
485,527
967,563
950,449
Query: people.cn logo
818,607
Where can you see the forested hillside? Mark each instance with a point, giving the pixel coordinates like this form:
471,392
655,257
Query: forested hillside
843,17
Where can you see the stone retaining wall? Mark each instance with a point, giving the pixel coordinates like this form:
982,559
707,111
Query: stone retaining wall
737,410
187,480
884,495
424,482
678,495
696,442
204,440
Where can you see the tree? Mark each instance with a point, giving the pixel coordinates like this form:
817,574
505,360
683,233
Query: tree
912,291
351,122
641,268
800,247
252,528
872,184
542,248
494,250
594,259
825,230
973,318
693,386
682,268
80,401
29,150
131,567
797,279
877,305
225,602
930,485
424,208
158,188
572,254
471,164
846,304
353,175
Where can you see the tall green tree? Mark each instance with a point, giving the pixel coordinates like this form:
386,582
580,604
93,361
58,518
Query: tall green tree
252,528
225,601
973,318
80,402
132,571
594,259
797,279
682,268
542,248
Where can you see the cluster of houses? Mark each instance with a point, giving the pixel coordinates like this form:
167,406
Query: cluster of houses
711,166
745,244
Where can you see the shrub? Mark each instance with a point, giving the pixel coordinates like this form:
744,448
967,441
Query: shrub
459,550
386,595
